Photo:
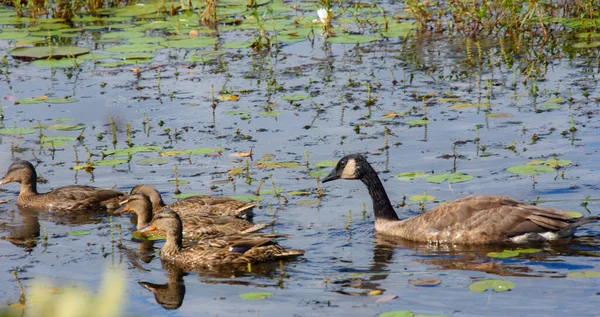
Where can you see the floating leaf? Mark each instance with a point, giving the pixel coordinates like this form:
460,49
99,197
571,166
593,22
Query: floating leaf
56,52
247,198
17,131
422,281
504,254
407,176
294,97
66,127
386,298
57,140
498,115
319,173
132,150
152,161
420,198
584,274
467,105
573,214
529,250
352,39
586,45
375,292
530,169
555,100
256,295
197,151
79,233
32,100
550,107
298,193
111,162
308,202
238,112
236,171
417,122
271,113
325,164
272,164
230,97
552,162
457,177
397,313
180,182
497,285
242,154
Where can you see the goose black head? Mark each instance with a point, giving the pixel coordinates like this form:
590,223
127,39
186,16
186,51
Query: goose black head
349,167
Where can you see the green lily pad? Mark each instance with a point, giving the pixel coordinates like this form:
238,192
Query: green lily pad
497,285
397,313
247,198
237,44
325,163
550,106
152,161
17,131
529,250
552,162
256,295
57,52
132,150
308,202
555,100
179,182
13,35
58,63
272,113
457,177
584,274
573,214
57,140
319,173
586,45
530,169
419,198
298,193
149,236
195,42
467,105
134,48
417,122
273,164
498,115
66,127
504,254
79,233
407,176
238,112
197,151
295,97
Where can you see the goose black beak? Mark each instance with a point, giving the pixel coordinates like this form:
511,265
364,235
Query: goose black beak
331,177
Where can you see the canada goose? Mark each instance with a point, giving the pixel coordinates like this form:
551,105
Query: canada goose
195,225
67,198
469,220
210,253
205,204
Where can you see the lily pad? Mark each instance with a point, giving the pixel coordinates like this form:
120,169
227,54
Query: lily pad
552,162
552,106
417,122
66,127
247,198
457,177
298,193
407,176
420,198
352,39
179,182
308,202
497,285
273,164
57,52
79,233
272,113
57,140
295,97
325,164
530,169
152,161
422,281
111,162
498,115
504,254
319,173
467,105
132,150
573,214
397,313
256,295
17,131
197,151
238,112
584,274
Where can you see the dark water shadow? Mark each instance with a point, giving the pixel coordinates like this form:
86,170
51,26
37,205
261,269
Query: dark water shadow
170,295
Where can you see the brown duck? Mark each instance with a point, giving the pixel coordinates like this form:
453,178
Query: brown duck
469,220
67,198
204,204
195,225
215,252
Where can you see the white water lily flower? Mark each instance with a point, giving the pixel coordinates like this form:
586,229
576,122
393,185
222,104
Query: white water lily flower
323,15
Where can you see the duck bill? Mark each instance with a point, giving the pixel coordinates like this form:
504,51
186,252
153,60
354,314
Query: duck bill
331,177
121,210
148,228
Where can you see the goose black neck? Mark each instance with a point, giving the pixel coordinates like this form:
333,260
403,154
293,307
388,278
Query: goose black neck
382,207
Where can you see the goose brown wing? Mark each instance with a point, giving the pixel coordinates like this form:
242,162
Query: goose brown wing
490,218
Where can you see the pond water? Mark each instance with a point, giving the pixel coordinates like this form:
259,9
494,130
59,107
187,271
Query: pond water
351,98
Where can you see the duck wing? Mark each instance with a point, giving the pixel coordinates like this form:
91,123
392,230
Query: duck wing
212,205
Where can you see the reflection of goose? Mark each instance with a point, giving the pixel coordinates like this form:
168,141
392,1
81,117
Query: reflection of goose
170,295
470,220
67,198
203,204
214,252
195,225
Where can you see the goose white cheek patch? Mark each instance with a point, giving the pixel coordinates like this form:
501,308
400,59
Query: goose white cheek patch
349,171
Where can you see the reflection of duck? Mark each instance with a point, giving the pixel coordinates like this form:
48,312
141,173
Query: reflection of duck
27,235
67,198
208,253
170,295
470,220
195,226
203,204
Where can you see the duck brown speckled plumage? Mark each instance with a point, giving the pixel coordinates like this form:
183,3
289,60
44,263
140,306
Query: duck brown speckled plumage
202,204
195,225
67,198
469,220
215,252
